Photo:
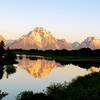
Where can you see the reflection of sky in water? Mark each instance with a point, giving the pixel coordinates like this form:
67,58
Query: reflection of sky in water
36,75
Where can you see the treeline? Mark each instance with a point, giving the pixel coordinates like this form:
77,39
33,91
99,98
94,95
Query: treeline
6,55
64,52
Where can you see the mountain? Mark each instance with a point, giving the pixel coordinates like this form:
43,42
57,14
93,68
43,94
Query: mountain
63,44
2,38
40,39
75,45
8,43
91,42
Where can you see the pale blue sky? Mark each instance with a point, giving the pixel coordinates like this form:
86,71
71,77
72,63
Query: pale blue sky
73,20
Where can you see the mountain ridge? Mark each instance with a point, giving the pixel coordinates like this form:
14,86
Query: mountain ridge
41,39
2,38
91,42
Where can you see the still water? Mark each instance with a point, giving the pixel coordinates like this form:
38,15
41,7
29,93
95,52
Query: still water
36,75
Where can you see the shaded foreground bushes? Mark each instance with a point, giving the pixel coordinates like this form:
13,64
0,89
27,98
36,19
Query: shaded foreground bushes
82,88
29,95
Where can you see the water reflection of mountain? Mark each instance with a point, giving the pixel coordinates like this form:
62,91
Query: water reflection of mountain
94,69
38,68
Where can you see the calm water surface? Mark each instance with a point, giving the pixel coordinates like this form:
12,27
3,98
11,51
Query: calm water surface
36,75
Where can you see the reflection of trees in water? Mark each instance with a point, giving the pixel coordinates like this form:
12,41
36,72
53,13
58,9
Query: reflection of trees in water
1,70
82,64
2,94
10,69
92,66
7,69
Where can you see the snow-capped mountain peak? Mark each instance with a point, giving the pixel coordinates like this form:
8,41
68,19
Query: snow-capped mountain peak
91,42
39,38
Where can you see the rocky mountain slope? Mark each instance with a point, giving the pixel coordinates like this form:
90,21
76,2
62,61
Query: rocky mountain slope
91,42
40,39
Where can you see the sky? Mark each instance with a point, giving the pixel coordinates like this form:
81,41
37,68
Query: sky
73,20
